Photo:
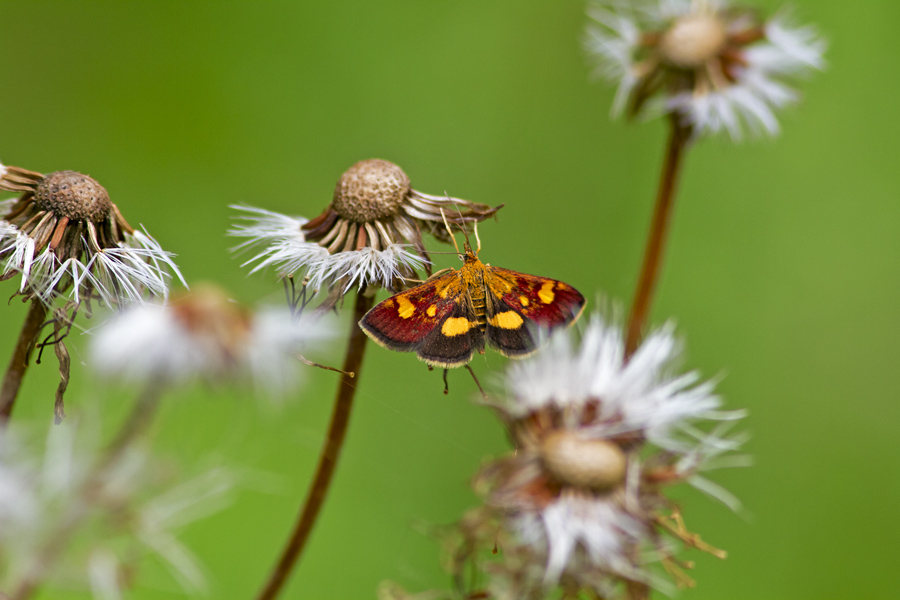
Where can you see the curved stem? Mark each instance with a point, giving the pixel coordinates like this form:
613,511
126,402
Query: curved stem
679,136
340,418
18,364
637,591
80,507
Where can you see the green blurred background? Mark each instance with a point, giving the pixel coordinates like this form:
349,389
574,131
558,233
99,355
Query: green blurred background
781,273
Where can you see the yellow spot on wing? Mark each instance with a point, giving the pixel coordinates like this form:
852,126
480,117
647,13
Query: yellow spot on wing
524,301
456,326
546,293
506,320
431,310
405,308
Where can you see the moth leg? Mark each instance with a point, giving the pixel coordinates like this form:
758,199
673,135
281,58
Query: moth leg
310,363
478,383
446,385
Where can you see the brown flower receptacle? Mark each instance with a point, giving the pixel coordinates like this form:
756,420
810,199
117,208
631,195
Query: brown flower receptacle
588,463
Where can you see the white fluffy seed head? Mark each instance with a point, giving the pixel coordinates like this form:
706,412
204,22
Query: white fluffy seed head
742,67
589,463
288,251
203,334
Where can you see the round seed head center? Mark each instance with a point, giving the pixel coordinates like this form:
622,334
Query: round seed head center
579,462
73,195
692,40
209,315
370,190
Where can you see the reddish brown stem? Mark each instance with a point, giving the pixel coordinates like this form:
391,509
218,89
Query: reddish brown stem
635,590
679,136
21,357
340,418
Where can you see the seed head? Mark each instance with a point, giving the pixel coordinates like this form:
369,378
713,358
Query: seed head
692,40
64,234
369,235
581,500
370,190
209,316
203,334
713,66
578,462
73,195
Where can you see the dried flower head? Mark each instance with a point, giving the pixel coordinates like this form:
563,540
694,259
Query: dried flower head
52,502
203,334
581,501
712,65
65,235
370,234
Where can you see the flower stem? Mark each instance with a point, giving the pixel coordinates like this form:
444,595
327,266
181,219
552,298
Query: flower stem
679,136
92,489
18,364
337,430
635,590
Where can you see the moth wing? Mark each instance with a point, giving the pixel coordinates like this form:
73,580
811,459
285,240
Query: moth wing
506,329
517,303
403,321
434,320
454,341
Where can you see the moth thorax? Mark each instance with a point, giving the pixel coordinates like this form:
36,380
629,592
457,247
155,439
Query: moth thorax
370,190
209,316
73,195
692,40
579,462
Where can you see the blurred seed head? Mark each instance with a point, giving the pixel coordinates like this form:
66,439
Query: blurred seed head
581,503
583,463
712,65
203,334
48,480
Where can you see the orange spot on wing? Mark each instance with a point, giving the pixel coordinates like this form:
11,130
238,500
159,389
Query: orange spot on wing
506,320
405,308
546,292
431,310
456,326
524,301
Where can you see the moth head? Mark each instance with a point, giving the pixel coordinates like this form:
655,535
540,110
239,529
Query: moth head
469,256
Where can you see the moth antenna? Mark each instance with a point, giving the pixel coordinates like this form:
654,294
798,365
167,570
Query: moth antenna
462,227
477,239
450,231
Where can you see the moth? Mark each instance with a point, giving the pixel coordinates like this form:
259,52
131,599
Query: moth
456,313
